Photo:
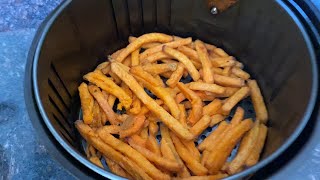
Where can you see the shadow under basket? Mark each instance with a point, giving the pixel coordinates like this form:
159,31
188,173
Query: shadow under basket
265,36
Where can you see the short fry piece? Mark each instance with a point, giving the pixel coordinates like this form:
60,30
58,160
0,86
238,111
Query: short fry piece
228,81
135,58
255,153
166,118
157,159
248,143
184,60
176,76
201,125
214,135
202,86
146,38
257,101
109,86
234,99
237,117
87,103
205,61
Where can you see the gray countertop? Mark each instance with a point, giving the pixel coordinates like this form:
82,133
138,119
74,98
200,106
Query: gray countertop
21,157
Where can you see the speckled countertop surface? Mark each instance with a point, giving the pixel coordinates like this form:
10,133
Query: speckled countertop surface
21,157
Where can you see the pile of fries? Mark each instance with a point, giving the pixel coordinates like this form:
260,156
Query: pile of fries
179,108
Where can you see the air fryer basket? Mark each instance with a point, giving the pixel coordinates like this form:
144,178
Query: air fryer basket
265,35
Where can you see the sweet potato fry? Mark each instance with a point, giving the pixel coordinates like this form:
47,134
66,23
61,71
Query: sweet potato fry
248,143
234,99
159,68
223,62
212,108
146,38
130,166
135,125
157,159
184,60
135,58
214,135
228,81
202,86
221,151
215,119
205,61
257,101
173,44
201,125
97,94
127,150
187,157
109,86
116,168
175,76
240,73
255,153
87,103
192,54
138,71
144,46
183,115
168,142
166,118
237,117
196,102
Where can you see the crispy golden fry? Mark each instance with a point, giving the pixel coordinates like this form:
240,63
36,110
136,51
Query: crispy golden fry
201,125
205,96
152,145
173,44
95,160
240,73
214,135
157,159
205,61
112,129
103,65
237,117
257,101
168,142
87,103
187,157
202,86
139,72
136,106
175,76
210,177
228,81
220,52
135,58
234,99
144,46
184,60
97,94
212,108
196,102
155,57
127,150
134,125
192,149
130,166
248,143
166,118
111,100
221,151
109,86
223,62
159,68
164,94
116,168
215,119
255,153
146,38
138,140
192,54
183,115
